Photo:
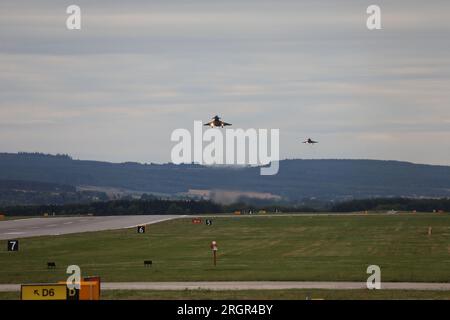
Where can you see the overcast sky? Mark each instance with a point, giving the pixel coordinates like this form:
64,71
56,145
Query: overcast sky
137,70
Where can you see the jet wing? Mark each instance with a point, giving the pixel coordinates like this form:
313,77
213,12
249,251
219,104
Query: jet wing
226,124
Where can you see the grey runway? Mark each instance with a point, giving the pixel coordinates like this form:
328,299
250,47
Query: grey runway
24,228
255,285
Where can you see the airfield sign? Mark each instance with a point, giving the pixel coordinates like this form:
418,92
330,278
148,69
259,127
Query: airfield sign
54,291
43,292
141,229
208,222
13,245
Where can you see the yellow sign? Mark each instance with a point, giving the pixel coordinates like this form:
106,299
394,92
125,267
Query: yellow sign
43,292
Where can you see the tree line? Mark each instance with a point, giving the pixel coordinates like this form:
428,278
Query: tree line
398,204
143,206
118,207
165,206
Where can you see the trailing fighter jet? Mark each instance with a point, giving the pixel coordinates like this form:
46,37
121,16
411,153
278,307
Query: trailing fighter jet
216,122
309,141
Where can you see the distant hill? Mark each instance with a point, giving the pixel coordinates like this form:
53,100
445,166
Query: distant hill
297,179
23,192
26,186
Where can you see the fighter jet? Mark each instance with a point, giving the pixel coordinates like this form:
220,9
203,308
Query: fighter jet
309,141
216,122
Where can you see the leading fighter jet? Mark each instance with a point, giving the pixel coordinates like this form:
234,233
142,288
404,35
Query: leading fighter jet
216,122
309,141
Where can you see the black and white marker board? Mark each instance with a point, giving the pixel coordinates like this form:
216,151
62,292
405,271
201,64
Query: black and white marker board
13,245
141,229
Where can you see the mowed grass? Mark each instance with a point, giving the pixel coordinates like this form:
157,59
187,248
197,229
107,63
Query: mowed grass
6,218
263,295
310,248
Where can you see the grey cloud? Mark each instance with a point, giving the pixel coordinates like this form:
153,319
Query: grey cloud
136,71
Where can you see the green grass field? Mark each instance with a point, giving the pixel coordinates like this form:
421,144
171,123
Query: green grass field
6,218
262,295
321,248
